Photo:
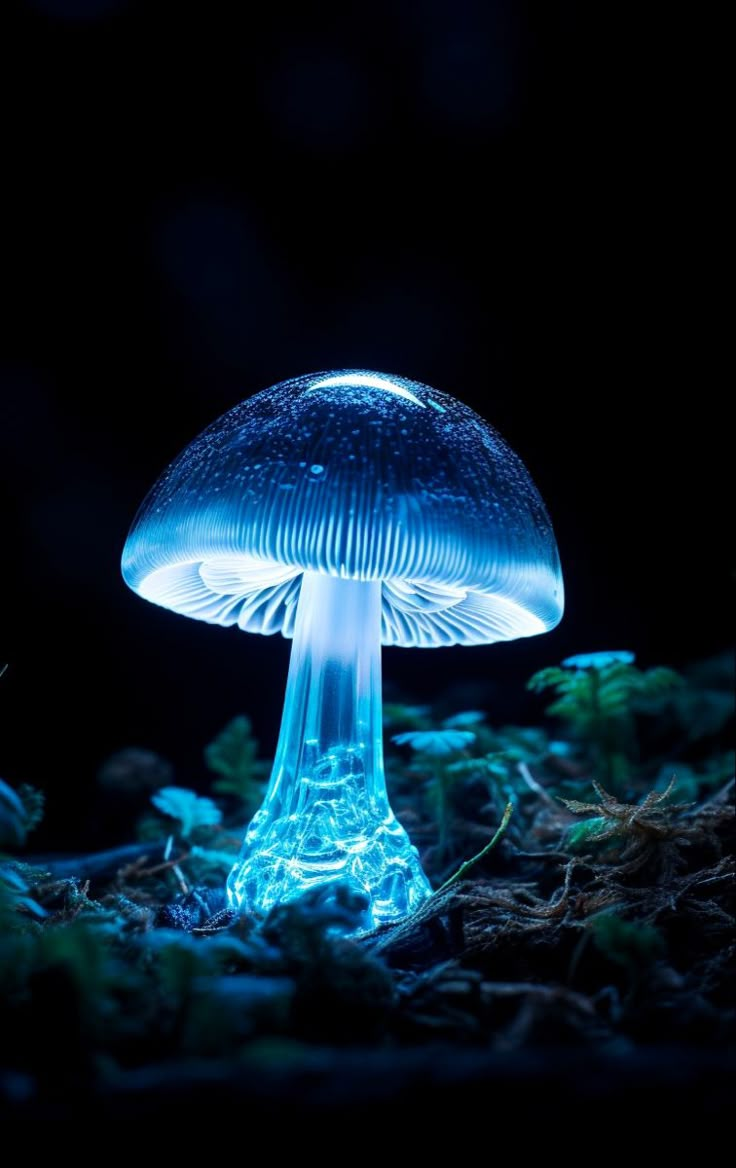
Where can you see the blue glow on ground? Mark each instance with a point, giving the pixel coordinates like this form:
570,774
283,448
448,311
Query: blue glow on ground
326,815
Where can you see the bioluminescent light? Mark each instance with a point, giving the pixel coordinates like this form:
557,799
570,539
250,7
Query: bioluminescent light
341,511
599,660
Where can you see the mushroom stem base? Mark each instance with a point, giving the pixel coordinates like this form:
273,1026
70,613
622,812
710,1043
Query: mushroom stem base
326,817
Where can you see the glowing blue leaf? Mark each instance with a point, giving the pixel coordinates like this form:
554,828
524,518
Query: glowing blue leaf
435,742
190,809
599,660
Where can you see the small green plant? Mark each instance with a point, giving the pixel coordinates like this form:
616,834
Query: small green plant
411,717
597,696
190,809
20,812
505,766
464,719
705,704
436,751
693,782
633,945
233,756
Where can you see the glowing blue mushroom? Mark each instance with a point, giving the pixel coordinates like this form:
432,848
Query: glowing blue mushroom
345,509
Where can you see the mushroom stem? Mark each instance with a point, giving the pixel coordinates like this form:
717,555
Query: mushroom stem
326,815
331,728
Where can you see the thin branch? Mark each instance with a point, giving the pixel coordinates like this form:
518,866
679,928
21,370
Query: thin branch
536,787
464,868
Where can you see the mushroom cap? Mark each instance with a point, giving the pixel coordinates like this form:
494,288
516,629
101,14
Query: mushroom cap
359,475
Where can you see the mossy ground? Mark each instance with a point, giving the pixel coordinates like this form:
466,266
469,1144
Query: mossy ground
593,939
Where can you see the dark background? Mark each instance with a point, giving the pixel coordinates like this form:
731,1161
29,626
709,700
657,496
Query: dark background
511,202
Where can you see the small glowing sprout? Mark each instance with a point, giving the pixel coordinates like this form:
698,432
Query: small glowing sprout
345,510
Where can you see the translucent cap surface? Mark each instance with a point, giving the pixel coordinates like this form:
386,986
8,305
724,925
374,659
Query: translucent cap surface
361,475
